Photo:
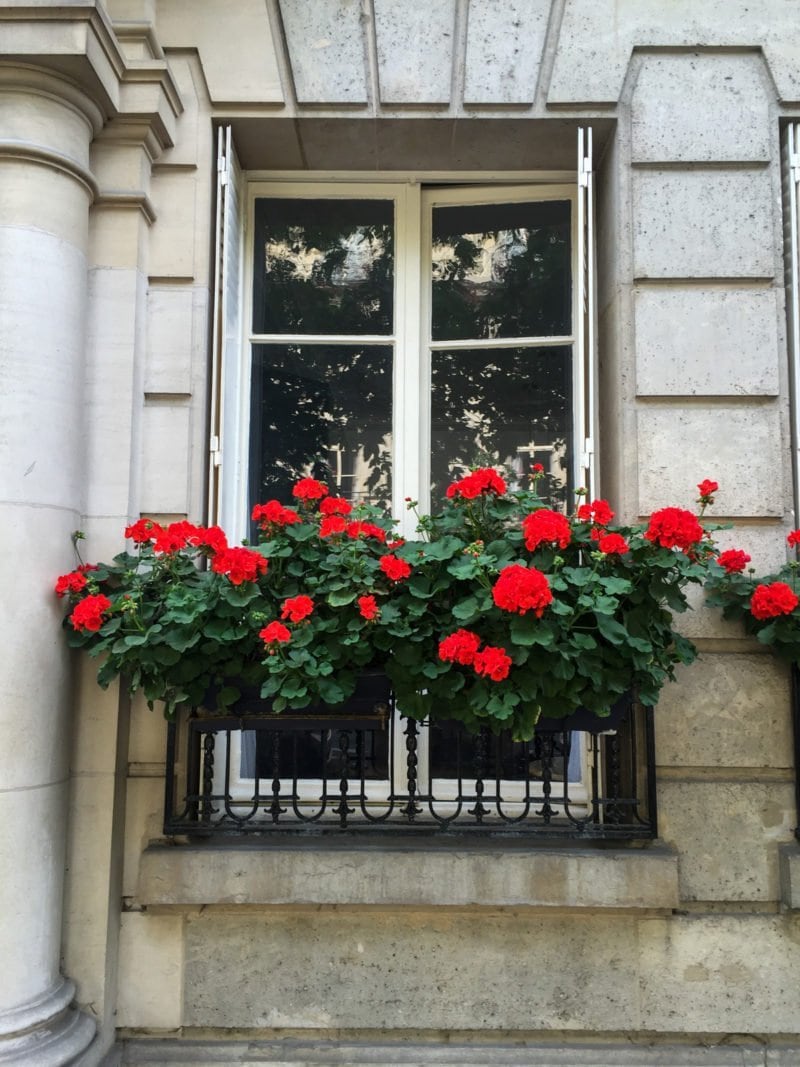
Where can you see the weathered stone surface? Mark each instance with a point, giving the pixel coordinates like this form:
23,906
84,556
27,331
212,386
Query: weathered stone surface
700,107
789,860
327,50
597,39
165,458
150,965
706,342
172,238
403,968
703,224
728,833
741,447
170,329
144,820
717,973
415,51
235,44
505,39
726,710
426,877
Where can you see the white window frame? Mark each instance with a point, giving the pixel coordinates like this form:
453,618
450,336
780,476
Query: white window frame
414,194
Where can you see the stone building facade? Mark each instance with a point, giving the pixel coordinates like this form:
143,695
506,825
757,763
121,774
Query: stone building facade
119,949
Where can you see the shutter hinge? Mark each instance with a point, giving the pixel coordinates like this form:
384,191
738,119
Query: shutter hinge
215,450
588,453
222,169
585,171
794,167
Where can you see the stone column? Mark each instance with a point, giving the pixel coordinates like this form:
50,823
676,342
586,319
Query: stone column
46,126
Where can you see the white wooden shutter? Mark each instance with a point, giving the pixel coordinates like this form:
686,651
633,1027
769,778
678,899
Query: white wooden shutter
226,362
586,363
791,193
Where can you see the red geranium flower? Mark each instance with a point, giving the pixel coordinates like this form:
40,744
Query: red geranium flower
495,663
484,480
459,647
548,527
599,511
273,513
522,589
87,614
332,524
733,560
793,538
394,568
335,505
674,528
176,536
275,633
143,531
365,529
613,544
239,564
368,607
297,608
309,489
771,600
212,537
70,583
706,489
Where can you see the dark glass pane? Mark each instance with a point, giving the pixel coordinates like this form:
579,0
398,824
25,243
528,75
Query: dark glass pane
505,406
323,411
501,270
316,754
323,266
454,753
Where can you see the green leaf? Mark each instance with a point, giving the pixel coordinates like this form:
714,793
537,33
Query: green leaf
611,629
339,600
465,609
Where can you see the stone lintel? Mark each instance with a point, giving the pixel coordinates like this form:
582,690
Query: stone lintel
409,876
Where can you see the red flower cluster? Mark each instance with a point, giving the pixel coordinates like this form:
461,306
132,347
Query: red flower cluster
599,512
793,538
733,560
768,601
522,589
460,647
485,480
70,583
239,564
297,608
273,513
368,608
335,505
546,527
176,536
613,544
674,528
365,529
87,614
495,663
275,633
143,531
706,489
395,569
332,525
309,489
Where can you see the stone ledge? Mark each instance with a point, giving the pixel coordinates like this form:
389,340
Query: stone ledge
437,875
789,858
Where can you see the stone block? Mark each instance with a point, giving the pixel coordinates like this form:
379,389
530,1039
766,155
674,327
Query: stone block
719,973
235,43
701,107
150,971
703,224
407,969
117,237
144,820
740,447
505,39
172,237
415,51
727,833
170,337
706,342
185,149
327,51
729,710
148,739
789,860
94,722
436,876
165,458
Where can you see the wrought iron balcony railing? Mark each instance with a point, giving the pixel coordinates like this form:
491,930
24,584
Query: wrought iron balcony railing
357,773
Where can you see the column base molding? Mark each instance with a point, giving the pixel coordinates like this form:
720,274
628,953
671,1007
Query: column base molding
46,1032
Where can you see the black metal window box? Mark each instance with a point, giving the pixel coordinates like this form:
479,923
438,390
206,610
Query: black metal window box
358,771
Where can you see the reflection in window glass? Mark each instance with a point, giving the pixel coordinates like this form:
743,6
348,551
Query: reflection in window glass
323,411
501,270
504,406
323,266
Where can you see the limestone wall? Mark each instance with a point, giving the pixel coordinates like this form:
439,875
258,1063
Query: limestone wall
687,101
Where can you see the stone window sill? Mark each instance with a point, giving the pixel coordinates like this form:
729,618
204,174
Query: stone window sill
441,874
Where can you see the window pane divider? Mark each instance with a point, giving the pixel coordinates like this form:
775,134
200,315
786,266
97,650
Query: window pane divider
322,339
503,342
